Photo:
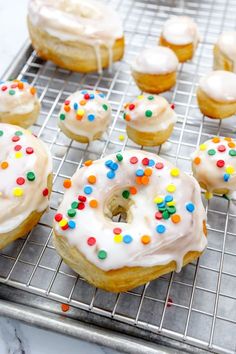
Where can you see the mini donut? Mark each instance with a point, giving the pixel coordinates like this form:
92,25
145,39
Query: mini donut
225,52
82,36
164,229
154,69
180,33
85,115
214,166
149,120
26,182
216,94
18,103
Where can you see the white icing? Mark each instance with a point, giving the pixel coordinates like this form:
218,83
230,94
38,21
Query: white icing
227,44
219,85
94,106
207,170
162,114
173,244
23,101
156,60
14,210
181,30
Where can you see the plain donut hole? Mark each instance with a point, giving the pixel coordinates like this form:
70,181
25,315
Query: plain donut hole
117,208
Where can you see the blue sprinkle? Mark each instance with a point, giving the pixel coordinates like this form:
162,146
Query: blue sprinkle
84,92
162,205
151,163
168,198
91,96
161,229
108,163
24,80
190,207
127,239
101,95
111,174
88,190
226,177
76,106
139,173
71,224
91,117
114,166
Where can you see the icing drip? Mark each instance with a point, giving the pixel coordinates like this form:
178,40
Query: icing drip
220,85
163,223
227,44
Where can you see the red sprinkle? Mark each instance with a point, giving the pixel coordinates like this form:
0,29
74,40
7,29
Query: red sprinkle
65,227
81,206
82,198
117,230
45,192
14,85
172,106
145,161
158,215
20,181
15,138
67,102
91,241
4,88
220,163
17,147
131,106
86,96
29,150
65,307
133,160
58,217
221,148
159,165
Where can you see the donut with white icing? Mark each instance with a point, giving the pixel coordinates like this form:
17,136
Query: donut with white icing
154,69
18,103
149,120
225,52
164,228
216,94
79,35
85,115
214,166
25,175
180,33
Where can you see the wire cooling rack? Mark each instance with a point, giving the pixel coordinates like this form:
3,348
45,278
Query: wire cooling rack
196,306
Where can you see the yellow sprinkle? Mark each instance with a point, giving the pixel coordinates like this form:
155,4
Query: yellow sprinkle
63,222
140,97
18,192
230,170
171,188
158,200
208,195
174,172
118,238
18,154
80,112
121,137
202,147
171,203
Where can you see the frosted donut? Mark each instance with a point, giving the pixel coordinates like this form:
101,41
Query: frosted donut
225,52
214,166
154,69
216,94
77,35
25,175
18,103
164,228
180,33
149,120
85,115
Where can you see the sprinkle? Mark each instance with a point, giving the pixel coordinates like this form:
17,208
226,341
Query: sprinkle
82,102
220,163
29,150
151,163
81,206
202,147
127,117
216,140
121,137
127,239
208,195
33,90
102,254
18,154
67,183
91,241
4,165
92,179
158,200
227,139
160,229
165,215
197,160
105,107
12,92
91,117
175,218
190,207
111,174
118,238
148,113
150,98
67,108
108,163
221,148
117,230
138,180
82,198
15,139
145,239
140,97
20,181
86,96
139,173
88,190
148,172
93,203
158,215
1,133
174,172
80,112
171,209
45,192
232,152
18,192
4,88
91,96
172,106
211,152
114,166
67,102
145,180
65,307
30,176
171,188
133,160
17,147
133,190
125,194
145,161
88,163
226,177
71,213
58,217
230,169
76,106
18,133
74,205
71,224
62,116
231,145
168,198
119,157
131,106
63,222
159,165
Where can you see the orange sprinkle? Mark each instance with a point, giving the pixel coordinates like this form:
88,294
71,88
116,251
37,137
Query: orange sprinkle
127,117
145,239
67,183
67,108
228,139
88,163
231,145
20,85
126,105
65,307
145,180
4,165
93,203
148,172
197,160
138,180
133,190
79,117
82,102
92,179
176,218
216,140
33,90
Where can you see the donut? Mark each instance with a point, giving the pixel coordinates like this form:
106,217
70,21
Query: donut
216,94
163,227
180,33
149,120
26,181
85,115
82,36
18,103
225,52
154,69
214,166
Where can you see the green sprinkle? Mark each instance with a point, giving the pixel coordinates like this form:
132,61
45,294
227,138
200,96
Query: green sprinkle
74,205
162,209
62,116
150,98
30,176
12,92
119,157
18,133
125,194
124,115
211,152
102,254
71,213
105,107
148,113
1,132
232,152
171,209
165,215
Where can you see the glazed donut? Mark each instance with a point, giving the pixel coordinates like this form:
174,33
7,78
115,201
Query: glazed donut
216,94
150,120
164,229
180,33
85,115
77,35
18,103
225,52
26,181
154,69
214,166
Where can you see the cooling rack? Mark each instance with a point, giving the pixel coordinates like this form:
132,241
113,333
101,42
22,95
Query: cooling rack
193,311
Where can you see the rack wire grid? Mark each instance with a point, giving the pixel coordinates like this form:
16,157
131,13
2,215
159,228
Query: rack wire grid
198,305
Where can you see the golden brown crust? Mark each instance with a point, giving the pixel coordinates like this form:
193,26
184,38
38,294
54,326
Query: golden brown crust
22,120
221,61
80,138
183,52
71,55
149,138
154,83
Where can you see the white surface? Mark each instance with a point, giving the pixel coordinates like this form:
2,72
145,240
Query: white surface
16,337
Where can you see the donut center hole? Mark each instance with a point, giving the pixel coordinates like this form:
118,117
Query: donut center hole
117,207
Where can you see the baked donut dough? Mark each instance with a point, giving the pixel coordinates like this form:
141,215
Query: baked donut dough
164,229
77,35
150,120
214,166
18,103
26,181
85,115
154,69
216,94
180,33
225,52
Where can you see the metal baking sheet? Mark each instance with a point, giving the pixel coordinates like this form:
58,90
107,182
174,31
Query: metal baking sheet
192,310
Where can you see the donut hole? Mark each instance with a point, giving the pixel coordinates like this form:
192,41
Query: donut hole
117,208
